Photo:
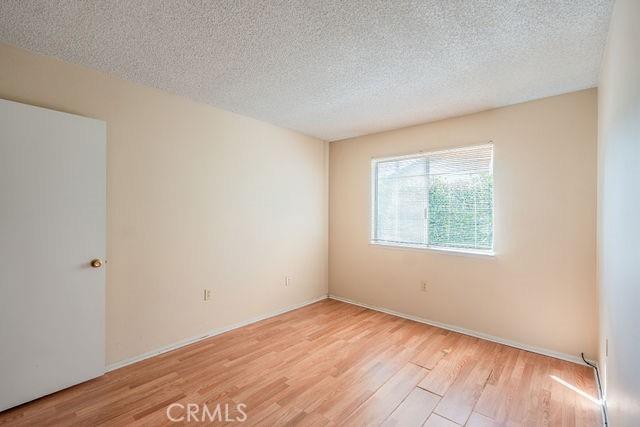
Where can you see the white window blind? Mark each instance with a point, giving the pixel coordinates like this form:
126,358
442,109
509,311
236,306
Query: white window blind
442,199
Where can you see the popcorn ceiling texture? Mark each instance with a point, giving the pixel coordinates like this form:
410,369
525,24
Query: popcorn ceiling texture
330,69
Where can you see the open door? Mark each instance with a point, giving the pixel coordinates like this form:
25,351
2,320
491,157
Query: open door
52,229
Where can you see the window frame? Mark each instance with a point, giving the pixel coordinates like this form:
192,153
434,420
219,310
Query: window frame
373,188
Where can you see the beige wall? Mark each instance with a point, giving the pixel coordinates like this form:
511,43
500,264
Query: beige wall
619,215
539,289
197,198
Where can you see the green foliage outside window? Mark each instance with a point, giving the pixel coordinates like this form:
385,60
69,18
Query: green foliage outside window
460,211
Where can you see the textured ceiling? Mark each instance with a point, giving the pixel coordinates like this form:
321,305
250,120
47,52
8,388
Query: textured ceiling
331,69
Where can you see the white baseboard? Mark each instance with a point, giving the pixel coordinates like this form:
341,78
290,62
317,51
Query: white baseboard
213,332
543,351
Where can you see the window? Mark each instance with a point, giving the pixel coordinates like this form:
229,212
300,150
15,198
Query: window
442,199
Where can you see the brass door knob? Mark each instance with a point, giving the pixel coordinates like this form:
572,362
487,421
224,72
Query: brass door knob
96,263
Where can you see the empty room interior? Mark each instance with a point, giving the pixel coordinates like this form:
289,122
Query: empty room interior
320,213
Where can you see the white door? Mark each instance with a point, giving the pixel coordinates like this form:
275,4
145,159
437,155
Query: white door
52,225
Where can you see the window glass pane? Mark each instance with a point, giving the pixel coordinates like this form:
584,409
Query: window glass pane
401,197
461,210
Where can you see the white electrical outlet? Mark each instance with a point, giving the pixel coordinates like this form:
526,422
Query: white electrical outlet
207,294
287,280
424,287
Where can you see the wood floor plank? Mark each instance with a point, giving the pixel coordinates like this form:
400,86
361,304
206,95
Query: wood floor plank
436,420
383,402
414,410
285,415
491,400
449,367
512,393
332,363
459,400
437,347
588,405
479,420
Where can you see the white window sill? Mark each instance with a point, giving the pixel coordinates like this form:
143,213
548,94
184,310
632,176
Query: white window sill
451,251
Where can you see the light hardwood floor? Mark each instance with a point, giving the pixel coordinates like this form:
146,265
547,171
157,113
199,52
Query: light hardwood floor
333,363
